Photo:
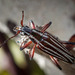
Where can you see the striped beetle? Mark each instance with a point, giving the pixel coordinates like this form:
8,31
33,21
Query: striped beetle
45,41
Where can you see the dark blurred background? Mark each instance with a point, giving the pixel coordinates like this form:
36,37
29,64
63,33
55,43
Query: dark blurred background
15,62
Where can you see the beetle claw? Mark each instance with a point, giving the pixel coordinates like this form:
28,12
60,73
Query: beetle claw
55,61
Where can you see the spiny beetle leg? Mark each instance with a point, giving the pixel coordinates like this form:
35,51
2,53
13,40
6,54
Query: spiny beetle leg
26,45
22,18
32,25
32,51
46,26
55,61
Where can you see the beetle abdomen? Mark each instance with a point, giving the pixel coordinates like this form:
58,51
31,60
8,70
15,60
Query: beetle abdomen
50,45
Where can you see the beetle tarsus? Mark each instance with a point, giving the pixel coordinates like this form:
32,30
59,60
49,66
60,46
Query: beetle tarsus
22,18
55,61
45,27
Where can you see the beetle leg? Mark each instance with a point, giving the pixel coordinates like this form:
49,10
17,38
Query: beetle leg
67,42
32,52
55,61
22,18
32,25
25,45
70,42
70,46
46,26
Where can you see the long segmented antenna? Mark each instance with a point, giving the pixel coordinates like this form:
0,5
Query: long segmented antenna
9,39
22,18
16,33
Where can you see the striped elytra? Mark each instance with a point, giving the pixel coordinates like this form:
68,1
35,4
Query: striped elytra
51,45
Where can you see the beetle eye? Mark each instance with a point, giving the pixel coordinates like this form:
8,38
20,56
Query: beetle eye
27,26
17,28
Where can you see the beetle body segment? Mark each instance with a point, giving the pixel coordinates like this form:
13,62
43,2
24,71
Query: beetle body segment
26,30
50,45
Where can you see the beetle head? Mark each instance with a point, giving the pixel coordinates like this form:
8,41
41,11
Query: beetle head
17,28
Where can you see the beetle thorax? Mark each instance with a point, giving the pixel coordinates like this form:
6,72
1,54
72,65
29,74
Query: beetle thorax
26,30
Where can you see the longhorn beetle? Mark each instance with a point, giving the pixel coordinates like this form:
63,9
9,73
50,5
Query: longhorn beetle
45,41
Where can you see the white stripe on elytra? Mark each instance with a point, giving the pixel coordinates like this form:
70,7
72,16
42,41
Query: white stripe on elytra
59,43
53,41
54,46
44,46
60,46
47,37
41,34
50,53
56,43
60,51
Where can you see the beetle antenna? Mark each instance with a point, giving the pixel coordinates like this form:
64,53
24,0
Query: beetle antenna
22,18
9,39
